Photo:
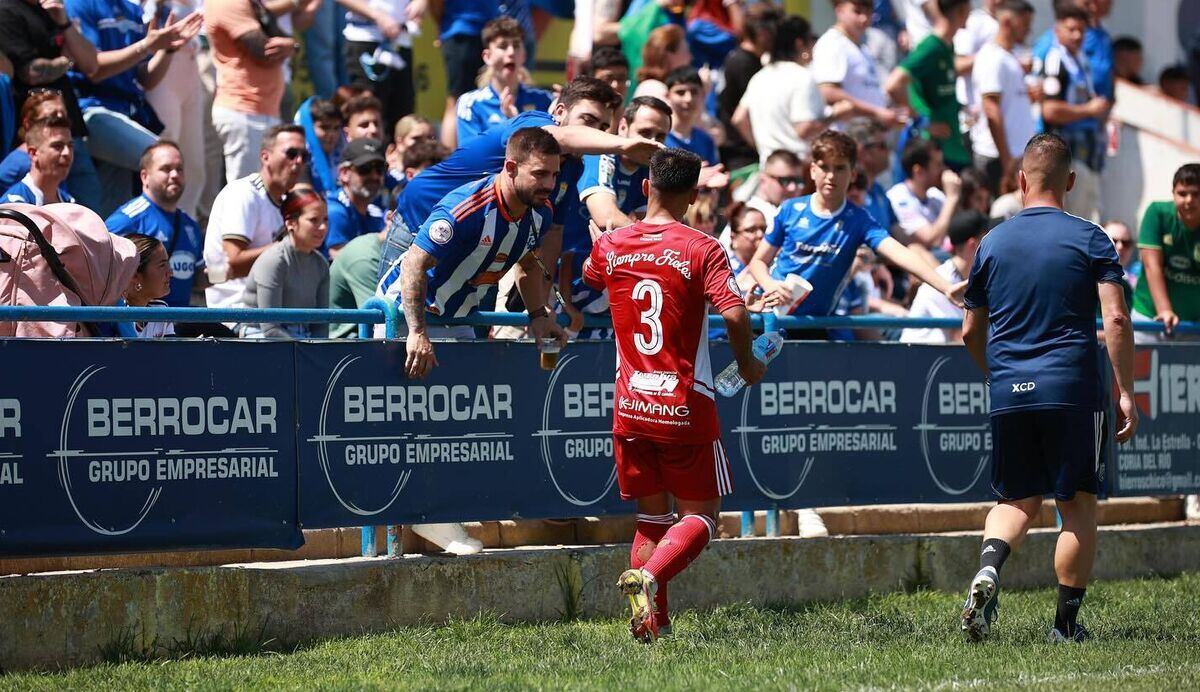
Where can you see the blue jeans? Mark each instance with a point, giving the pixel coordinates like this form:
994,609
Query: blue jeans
116,142
323,49
82,182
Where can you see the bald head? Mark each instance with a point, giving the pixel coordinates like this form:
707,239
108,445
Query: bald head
1046,166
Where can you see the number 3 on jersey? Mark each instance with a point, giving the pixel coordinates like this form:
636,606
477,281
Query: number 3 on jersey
649,288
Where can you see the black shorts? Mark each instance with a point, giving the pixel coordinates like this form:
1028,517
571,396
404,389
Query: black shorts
463,58
1048,451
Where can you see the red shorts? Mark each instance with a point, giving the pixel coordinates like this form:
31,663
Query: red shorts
690,472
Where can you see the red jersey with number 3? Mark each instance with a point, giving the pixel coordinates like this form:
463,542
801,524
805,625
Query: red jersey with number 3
661,278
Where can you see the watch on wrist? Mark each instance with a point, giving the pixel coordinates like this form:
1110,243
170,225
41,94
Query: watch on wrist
64,26
539,312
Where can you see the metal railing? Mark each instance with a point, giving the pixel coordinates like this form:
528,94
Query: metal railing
385,312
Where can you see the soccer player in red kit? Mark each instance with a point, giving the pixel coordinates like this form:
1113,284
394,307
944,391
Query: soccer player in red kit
661,277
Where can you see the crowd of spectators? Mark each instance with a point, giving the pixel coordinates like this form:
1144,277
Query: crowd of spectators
179,121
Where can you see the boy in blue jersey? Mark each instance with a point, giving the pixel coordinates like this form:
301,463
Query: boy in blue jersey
503,95
578,122
51,152
685,93
352,208
1030,326
817,237
612,195
472,238
156,213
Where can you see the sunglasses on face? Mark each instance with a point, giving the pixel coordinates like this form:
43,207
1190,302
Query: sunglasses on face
1121,241
788,180
293,153
369,168
875,145
756,228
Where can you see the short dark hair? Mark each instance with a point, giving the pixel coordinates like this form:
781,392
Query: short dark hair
791,29
863,3
272,133
1188,174
1015,7
762,18
1046,162
685,74
1071,10
640,102
322,109
1172,73
603,58
589,89
862,129
531,140
965,225
948,6
361,104
918,152
1126,43
788,158
674,171
35,131
145,246
834,143
148,152
425,153
501,27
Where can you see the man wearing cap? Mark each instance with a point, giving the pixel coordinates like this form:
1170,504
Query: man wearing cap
352,208
967,229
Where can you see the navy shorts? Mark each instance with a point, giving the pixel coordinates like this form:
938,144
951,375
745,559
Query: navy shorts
1047,452
463,58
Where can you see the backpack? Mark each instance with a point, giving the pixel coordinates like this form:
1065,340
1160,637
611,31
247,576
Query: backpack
59,254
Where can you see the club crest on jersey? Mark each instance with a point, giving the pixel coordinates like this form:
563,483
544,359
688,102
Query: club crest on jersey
441,231
733,286
654,383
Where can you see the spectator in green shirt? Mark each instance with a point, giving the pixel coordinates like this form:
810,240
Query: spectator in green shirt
1169,242
354,272
926,81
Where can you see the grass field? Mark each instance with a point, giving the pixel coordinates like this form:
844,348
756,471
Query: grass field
1147,637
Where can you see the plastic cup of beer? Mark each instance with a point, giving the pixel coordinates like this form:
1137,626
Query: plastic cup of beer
800,288
549,348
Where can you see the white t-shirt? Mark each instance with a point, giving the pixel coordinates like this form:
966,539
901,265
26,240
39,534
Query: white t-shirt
930,302
916,22
241,211
778,97
981,28
998,71
360,28
912,213
838,60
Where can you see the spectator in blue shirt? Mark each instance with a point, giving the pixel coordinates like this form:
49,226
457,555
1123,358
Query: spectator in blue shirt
503,93
322,123
873,151
39,105
129,57
1097,42
156,213
685,93
817,236
352,207
51,150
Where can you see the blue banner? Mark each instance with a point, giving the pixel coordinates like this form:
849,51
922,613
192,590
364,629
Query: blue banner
109,446
489,435
1164,456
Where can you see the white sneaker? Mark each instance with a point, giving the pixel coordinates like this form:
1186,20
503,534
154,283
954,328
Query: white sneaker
452,538
1191,507
811,524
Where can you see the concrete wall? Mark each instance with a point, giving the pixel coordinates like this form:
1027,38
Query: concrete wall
60,620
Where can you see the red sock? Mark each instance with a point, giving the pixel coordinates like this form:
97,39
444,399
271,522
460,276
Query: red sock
650,530
682,544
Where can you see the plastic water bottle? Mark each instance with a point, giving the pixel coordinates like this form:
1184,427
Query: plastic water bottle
765,348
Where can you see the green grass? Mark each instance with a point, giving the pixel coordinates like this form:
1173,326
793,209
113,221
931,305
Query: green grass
1147,637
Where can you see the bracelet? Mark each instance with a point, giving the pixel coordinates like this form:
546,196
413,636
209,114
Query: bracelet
64,26
538,313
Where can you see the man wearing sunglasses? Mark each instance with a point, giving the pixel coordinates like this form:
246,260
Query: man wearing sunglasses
245,215
352,207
